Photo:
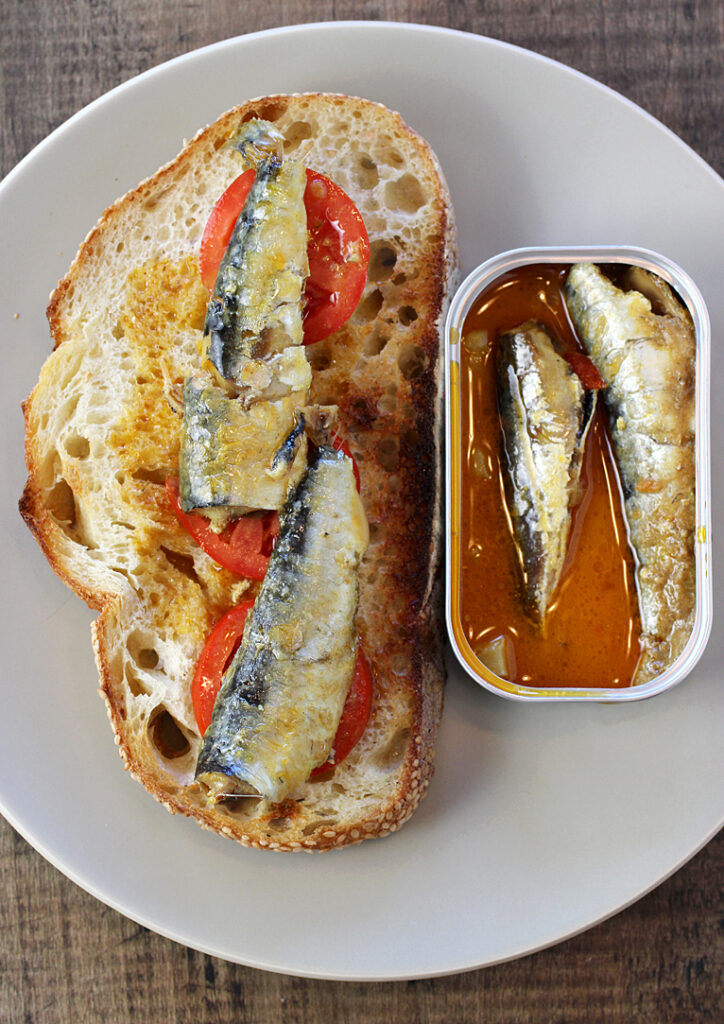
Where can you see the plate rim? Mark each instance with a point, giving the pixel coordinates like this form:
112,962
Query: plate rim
37,150
313,27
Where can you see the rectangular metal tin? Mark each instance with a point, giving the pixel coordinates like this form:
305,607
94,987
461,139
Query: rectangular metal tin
462,302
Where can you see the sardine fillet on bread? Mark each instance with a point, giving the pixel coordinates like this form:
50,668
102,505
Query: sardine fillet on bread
103,434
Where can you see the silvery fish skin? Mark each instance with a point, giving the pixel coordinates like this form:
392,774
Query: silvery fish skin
546,413
281,699
234,458
648,360
256,306
242,438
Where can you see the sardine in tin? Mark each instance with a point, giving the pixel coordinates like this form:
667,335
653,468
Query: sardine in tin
458,504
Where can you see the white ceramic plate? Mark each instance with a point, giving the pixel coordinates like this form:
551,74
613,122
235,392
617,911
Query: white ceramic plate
541,819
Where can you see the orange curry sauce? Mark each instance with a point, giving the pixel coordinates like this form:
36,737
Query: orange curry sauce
591,633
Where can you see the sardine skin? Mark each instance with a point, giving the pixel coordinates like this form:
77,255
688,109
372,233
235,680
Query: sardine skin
545,413
256,306
281,699
234,458
648,361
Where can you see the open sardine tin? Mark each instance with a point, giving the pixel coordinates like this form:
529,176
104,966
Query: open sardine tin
463,303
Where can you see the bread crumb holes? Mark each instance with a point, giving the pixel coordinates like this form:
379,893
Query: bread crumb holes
383,258
407,315
388,453
319,359
405,194
376,341
77,446
370,306
134,683
61,504
387,405
166,736
364,172
378,532
182,563
413,361
295,133
145,656
391,753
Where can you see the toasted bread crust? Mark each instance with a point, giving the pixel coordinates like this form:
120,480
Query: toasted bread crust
95,501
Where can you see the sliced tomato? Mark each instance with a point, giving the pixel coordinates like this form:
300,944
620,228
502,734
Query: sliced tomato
222,642
342,446
585,370
219,226
216,656
243,547
338,250
339,254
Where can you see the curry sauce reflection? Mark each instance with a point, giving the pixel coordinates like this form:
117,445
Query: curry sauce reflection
590,636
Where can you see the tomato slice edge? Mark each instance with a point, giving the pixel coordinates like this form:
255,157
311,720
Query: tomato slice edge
338,249
240,547
355,715
213,660
585,369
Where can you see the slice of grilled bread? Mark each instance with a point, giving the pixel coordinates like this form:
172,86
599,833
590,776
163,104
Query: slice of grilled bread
103,434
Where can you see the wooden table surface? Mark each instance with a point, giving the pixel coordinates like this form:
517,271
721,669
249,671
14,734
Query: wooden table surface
66,957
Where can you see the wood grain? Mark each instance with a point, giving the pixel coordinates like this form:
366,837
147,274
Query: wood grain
665,56
66,957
